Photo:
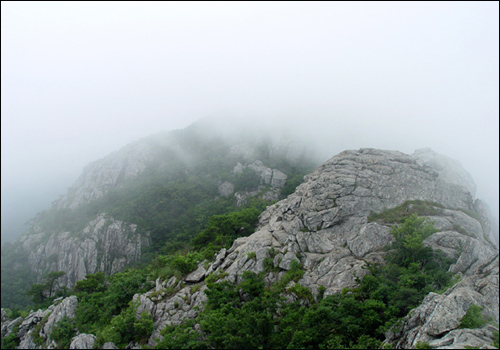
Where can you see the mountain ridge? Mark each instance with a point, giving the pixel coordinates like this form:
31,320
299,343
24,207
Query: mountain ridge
335,224
152,187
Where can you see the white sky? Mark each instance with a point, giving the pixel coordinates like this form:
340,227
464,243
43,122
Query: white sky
82,79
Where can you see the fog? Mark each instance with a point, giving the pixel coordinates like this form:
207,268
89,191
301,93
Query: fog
82,79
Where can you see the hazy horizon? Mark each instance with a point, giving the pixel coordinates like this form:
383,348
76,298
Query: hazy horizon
81,80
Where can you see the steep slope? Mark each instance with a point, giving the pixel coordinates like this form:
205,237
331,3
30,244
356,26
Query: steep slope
336,224
149,196
325,225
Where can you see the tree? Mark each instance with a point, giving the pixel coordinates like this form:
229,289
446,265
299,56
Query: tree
92,283
409,237
45,290
52,281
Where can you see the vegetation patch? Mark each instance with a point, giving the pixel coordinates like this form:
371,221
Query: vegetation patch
164,292
11,341
269,261
405,210
222,230
253,315
44,293
215,276
474,318
195,288
17,277
301,292
422,345
126,328
62,332
251,255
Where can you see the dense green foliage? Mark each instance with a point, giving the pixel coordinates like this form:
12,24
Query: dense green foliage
17,277
173,199
11,341
253,315
222,230
105,305
62,332
496,339
291,183
100,298
43,293
474,318
126,328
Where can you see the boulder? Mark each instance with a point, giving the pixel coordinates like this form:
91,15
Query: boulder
83,341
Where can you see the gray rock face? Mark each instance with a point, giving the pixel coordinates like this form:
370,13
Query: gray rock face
279,179
437,319
324,224
171,310
107,173
272,178
449,170
104,245
83,341
30,321
226,189
196,275
268,176
66,308
8,325
46,318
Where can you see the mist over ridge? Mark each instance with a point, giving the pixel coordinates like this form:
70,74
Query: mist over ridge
321,135
336,76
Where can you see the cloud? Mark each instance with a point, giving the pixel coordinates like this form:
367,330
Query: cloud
80,80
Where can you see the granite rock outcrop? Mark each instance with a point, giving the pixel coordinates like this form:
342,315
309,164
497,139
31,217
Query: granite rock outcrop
34,330
105,244
325,225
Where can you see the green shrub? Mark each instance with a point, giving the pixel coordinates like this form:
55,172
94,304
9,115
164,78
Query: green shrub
422,345
91,284
251,255
62,332
247,180
495,339
302,292
195,288
405,210
294,274
11,341
126,327
268,264
474,318
185,263
215,276
291,184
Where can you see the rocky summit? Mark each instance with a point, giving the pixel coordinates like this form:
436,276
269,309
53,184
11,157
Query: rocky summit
334,224
325,225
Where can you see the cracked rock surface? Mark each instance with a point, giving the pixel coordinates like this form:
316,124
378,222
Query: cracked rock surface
325,225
